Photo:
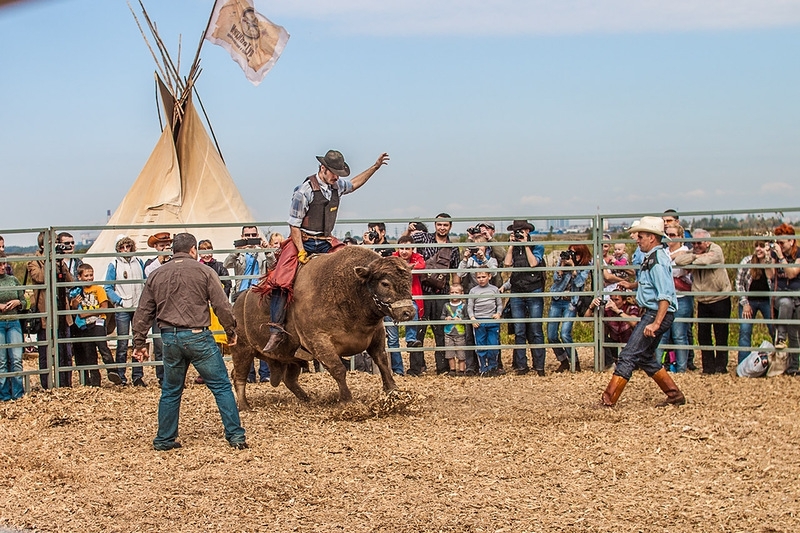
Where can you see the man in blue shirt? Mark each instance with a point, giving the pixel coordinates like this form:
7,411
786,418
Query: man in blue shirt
655,293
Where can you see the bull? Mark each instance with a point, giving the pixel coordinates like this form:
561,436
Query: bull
337,310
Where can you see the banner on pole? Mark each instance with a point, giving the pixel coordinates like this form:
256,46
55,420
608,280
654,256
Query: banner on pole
251,38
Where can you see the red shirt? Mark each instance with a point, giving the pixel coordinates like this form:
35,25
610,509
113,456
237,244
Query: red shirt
417,263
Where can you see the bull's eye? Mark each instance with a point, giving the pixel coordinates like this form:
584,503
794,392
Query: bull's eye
385,284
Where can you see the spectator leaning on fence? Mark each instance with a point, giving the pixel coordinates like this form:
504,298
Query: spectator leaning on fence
12,301
788,279
755,274
710,306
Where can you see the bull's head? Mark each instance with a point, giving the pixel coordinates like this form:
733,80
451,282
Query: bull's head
389,282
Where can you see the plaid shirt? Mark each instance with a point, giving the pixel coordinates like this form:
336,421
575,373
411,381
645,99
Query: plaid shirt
303,195
744,277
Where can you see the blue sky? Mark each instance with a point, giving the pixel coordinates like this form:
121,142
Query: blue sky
492,109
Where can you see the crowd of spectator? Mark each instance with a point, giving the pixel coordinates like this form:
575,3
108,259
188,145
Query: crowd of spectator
482,282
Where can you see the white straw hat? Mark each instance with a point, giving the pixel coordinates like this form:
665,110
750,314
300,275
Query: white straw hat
654,225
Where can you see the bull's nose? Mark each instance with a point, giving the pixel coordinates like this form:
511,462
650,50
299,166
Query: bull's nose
407,315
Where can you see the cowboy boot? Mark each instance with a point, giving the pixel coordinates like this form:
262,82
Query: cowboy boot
674,394
613,391
274,340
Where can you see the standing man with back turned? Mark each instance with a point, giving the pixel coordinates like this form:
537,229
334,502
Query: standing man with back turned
655,293
177,295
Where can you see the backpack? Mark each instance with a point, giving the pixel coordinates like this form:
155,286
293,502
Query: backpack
439,260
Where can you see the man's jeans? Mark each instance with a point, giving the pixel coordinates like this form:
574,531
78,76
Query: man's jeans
124,328
530,332
678,333
561,308
393,339
11,388
789,309
746,328
199,349
640,352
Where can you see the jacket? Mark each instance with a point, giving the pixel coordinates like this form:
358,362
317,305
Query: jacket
707,280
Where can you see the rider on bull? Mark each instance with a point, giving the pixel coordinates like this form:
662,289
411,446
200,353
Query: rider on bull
315,204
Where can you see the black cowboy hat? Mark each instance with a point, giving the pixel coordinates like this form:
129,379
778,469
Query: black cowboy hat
334,161
520,224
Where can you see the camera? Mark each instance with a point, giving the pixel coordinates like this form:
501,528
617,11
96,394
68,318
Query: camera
374,236
567,255
473,250
474,230
61,247
520,235
252,241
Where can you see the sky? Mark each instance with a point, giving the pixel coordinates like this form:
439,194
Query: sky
492,109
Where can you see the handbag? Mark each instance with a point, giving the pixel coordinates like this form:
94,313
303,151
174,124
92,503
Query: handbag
30,325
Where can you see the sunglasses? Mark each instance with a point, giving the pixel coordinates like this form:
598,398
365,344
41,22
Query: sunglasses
68,243
250,235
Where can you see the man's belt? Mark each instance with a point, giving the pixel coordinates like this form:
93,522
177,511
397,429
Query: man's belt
308,237
176,330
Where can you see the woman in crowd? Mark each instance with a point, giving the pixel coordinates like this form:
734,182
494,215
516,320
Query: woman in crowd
565,306
205,250
12,301
756,274
784,254
678,333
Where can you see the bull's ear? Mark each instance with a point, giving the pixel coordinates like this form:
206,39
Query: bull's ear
362,272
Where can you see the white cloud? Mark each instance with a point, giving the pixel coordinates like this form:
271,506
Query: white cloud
776,187
535,200
536,17
696,193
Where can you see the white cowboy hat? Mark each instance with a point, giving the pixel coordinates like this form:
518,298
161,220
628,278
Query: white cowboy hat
654,225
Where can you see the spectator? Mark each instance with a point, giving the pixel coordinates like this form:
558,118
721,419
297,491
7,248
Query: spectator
275,240
249,262
206,251
751,278
496,251
38,274
610,279
67,246
788,279
161,242
130,268
433,307
617,331
415,261
375,236
526,256
475,257
454,334
486,306
3,249
678,333
619,258
710,306
90,323
565,305
12,301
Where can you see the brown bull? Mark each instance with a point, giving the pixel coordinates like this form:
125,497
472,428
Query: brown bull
337,310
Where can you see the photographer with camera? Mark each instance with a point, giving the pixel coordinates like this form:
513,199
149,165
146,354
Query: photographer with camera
376,234
526,256
250,262
566,306
784,253
38,275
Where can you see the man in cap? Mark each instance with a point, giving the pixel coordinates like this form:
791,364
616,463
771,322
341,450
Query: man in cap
655,293
312,216
126,268
176,296
526,256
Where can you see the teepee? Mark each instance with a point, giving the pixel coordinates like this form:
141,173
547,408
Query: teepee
184,181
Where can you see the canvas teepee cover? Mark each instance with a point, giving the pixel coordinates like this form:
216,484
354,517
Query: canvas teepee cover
184,181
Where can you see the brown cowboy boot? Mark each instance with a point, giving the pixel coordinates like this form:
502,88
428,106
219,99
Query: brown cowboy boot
674,394
274,340
613,391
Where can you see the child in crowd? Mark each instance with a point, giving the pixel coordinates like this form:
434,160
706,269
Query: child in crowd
416,262
620,259
91,323
488,305
455,334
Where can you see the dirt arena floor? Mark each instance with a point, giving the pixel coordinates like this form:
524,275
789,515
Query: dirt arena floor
505,454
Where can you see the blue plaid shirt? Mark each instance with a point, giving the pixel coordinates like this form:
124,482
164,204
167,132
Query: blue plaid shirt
655,280
303,195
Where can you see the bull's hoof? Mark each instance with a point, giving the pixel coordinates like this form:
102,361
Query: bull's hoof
243,406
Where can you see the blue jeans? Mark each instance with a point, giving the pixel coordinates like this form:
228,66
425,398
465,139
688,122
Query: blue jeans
199,349
561,308
263,372
746,328
124,328
530,332
10,360
678,333
640,351
487,334
393,339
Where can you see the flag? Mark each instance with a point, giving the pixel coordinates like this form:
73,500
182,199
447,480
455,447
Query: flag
252,40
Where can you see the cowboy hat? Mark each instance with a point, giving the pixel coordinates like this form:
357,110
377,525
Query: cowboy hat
520,224
334,161
162,237
654,225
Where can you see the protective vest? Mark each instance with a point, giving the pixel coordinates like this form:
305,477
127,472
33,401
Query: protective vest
321,215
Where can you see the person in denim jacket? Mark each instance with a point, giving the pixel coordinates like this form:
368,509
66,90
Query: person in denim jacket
565,305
